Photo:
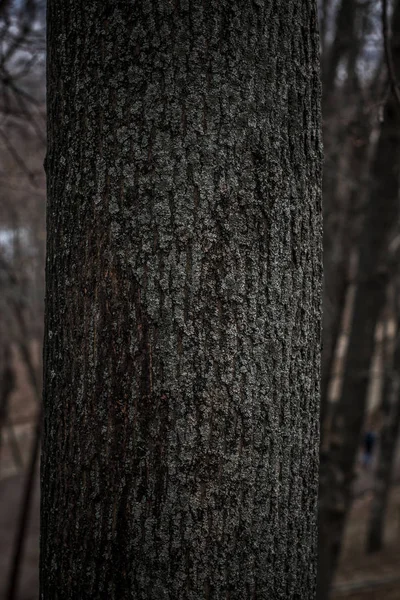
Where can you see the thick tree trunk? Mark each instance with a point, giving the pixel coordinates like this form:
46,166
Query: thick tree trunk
337,463
180,454
387,448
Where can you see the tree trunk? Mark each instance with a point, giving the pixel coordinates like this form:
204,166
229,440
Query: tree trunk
323,14
387,448
7,386
344,44
338,246
337,463
180,453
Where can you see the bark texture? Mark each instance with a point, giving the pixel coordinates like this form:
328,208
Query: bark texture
337,463
180,453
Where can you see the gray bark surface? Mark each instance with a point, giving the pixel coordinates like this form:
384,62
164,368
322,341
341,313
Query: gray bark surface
180,452
338,460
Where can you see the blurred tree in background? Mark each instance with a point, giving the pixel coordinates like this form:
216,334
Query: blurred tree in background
22,247
361,210
22,200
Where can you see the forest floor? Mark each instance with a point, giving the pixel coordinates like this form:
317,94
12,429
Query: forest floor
363,576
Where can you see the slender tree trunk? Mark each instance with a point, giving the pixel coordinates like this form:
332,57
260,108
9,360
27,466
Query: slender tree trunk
346,45
7,386
338,246
180,453
341,47
337,463
387,449
323,13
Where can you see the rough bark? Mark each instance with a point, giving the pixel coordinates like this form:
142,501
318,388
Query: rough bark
387,448
337,463
180,452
